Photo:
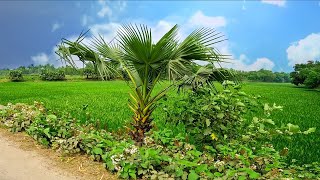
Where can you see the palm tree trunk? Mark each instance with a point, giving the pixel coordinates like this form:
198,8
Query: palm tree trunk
141,124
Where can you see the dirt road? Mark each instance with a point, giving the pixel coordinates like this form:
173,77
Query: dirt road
22,159
18,164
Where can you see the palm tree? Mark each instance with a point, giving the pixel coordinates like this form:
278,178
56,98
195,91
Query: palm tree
146,63
67,49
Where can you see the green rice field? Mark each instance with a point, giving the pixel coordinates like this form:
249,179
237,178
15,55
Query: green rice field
106,103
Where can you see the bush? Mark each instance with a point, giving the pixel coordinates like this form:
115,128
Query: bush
90,73
306,74
52,75
15,75
18,117
220,115
163,155
208,113
312,79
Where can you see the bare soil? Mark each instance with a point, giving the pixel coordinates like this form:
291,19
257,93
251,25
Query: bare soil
22,158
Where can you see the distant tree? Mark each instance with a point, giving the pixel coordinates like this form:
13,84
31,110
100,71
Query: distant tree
52,75
307,74
15,75
89,71
263,76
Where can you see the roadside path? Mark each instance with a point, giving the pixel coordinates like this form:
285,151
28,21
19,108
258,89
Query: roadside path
18,164
22,159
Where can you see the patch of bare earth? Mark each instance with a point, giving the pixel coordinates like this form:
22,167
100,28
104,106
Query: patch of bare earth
22,158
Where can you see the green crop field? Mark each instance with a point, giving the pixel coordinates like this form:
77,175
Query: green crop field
107,104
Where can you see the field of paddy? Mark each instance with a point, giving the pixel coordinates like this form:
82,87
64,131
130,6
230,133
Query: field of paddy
106,103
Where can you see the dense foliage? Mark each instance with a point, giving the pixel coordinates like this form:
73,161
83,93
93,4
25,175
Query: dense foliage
307,74
52,75
15,75
136,55
106,107
263,76
89,72
33,72
247,154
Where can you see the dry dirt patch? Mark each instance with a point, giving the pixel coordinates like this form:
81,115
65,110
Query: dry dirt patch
22,158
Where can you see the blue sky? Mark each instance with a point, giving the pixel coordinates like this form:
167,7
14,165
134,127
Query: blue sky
272,35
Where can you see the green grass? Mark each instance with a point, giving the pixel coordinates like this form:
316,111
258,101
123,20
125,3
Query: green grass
300,106
107,104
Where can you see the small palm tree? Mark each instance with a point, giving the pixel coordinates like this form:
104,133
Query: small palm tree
146,63
67,49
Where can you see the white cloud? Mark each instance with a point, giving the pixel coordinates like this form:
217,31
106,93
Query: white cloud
105,9
304,50
162,27
107,30
199,19
84,20
41,58
52,58
122,5
242,63
44,58
243,5
280,3
56,26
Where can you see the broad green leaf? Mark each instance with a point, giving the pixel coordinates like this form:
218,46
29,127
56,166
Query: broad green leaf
201,168
253,174
240,104
46,132
208,122
293,128
187,163
207,131
52,117
220,115
310,130
97,151
217,108
269,121
193,176
242,93
133,175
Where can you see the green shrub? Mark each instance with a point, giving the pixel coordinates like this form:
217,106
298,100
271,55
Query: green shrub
15,75
213,116
163,155
307,74
90,73
312,79
18,117
208,113
52,75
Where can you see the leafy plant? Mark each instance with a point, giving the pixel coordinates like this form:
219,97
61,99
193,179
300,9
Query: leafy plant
52,75
211,114
307,74
164,155
18,117
146,62
15,75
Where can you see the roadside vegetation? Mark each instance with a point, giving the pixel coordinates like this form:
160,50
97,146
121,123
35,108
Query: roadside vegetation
187,121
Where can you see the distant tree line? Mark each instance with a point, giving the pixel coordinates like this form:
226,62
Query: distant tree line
48,72
263,76
307,74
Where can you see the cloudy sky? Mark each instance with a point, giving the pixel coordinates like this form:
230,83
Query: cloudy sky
265,34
